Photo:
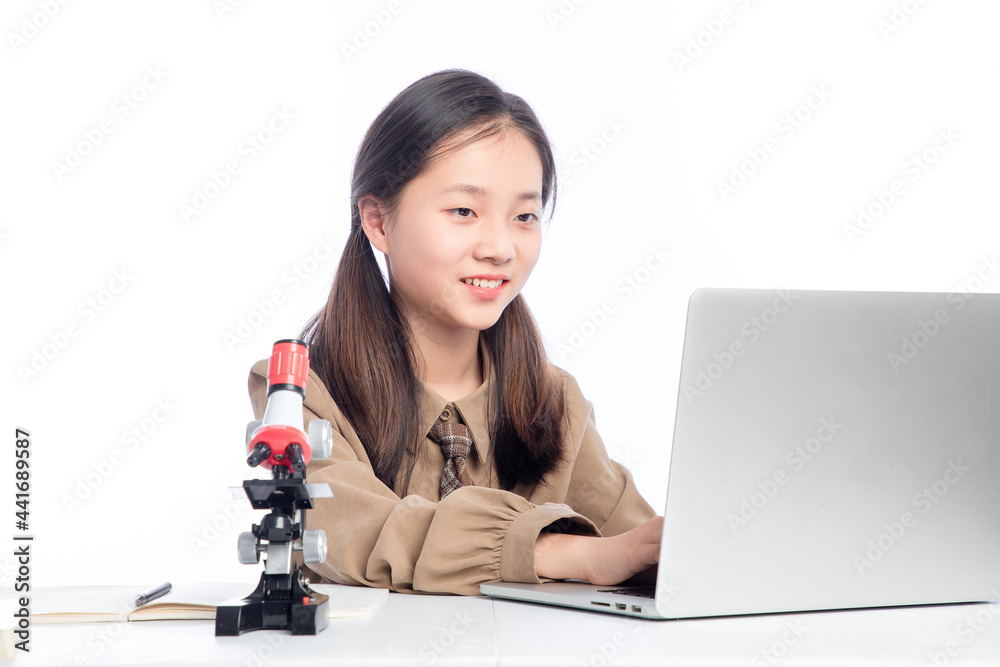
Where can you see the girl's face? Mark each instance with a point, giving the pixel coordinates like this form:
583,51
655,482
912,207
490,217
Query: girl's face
466,234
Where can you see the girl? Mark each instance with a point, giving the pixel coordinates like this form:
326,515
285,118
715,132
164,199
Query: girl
460,455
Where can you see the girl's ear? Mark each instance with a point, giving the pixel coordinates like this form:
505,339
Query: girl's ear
373,221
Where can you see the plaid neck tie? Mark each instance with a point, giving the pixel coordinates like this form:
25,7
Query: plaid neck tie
455,442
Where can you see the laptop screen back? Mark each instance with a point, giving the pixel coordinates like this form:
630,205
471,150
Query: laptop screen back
834,450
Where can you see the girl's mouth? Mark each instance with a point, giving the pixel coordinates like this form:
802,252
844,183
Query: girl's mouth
485,288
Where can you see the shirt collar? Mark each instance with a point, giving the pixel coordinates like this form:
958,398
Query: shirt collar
471,409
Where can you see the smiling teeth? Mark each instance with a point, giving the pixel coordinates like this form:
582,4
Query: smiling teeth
476,282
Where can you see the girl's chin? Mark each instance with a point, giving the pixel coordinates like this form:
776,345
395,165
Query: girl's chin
477,324
481,324
474,317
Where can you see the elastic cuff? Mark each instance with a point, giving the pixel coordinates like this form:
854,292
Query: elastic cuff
517,553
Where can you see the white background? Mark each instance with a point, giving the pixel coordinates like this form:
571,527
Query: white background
651,106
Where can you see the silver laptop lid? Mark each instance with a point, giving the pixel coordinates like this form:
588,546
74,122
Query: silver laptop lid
834,450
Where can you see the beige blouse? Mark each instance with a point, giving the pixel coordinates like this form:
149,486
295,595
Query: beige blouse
478,534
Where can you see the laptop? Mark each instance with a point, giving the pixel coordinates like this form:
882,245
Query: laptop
831,450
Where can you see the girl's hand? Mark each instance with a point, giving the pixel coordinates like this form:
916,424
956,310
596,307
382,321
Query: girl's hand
604,561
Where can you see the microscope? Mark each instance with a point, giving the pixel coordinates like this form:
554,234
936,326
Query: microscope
283,599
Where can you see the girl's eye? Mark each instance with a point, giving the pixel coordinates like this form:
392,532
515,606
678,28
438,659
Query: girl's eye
463,212
527,217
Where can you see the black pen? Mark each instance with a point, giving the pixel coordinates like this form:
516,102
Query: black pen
149,596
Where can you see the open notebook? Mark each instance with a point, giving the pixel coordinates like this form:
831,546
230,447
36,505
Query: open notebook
91,604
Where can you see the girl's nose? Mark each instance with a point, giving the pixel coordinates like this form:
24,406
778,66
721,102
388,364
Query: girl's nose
496,241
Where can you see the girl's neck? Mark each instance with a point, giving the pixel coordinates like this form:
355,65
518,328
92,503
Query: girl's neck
451,368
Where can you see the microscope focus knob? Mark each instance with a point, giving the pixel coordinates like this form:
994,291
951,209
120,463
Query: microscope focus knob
314,546
247,547
320,438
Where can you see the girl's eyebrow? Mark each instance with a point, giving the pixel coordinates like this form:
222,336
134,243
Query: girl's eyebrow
478,191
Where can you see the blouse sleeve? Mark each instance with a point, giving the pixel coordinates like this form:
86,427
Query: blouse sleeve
474,535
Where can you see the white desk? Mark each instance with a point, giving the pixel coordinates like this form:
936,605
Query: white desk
448,630
871,637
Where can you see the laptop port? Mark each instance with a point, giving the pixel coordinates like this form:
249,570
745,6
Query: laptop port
637,608
621,607
601,604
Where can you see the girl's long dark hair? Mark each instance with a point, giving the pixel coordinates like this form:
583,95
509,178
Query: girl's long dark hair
360,344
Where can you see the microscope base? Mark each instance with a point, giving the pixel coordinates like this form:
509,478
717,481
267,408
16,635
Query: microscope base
280,602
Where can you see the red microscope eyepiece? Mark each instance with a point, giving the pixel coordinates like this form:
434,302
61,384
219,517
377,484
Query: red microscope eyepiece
288,366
